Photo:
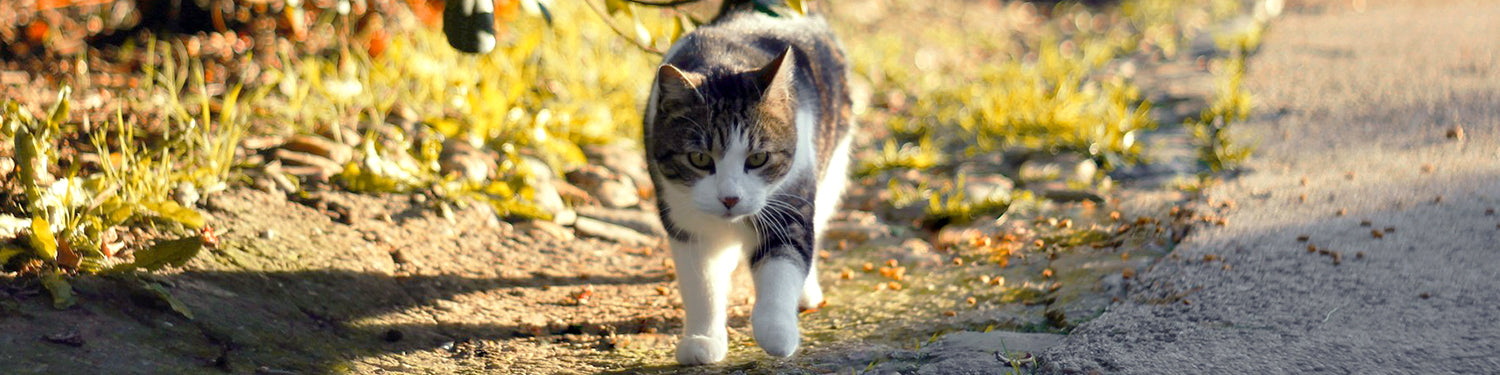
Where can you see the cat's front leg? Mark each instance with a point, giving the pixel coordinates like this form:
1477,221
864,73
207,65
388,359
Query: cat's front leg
703,277
779,279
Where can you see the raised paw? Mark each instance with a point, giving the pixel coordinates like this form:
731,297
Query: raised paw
701,350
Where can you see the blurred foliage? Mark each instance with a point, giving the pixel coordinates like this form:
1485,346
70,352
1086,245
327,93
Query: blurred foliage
1051,86
1231,104
527,99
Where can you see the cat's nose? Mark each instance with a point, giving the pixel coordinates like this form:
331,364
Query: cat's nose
729,202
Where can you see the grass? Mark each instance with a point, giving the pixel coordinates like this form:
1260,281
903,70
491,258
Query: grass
1051,89
529,100
1231,103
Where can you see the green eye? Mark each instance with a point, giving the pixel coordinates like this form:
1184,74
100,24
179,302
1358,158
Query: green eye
701,160
757,160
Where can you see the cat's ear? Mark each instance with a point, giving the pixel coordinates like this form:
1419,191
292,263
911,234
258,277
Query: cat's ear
776,77
676,85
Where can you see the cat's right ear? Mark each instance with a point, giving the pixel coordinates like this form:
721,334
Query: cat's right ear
676,85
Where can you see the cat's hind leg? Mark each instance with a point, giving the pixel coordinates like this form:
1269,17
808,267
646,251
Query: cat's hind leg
703,277
812,293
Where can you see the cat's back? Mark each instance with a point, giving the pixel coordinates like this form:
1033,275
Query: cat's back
742,40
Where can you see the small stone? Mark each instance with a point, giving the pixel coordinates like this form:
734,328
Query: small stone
546,228
565,217
1377,234
641,221
610,189
326,166
539,177
1456,133
979,189
70,338
12,227
465,159
1065,167
268,234
610,232
621,157
337,152
186,194
6,166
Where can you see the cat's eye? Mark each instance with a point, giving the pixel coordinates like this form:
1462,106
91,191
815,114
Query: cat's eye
757,160
701,160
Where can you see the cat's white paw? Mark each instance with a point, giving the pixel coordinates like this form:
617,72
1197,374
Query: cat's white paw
701,350
776,333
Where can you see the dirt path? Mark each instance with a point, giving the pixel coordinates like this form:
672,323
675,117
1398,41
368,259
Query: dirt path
399,289
1361,155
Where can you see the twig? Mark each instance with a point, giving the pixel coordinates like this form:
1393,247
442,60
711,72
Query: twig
672,3
610,22
1330,312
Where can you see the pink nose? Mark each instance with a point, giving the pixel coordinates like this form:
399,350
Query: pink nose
729,202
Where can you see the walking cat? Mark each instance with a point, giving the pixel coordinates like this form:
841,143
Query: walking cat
747,135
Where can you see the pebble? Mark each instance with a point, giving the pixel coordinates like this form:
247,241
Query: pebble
186,194
326,166
547,228
610,232
337,152
641,221
565,217
6,166
545,195
1066,167
621,158
11,227
465,159
610,189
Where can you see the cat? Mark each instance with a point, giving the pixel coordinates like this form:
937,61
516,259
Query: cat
747,134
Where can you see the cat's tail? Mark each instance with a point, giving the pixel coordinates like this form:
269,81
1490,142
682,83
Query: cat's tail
731,7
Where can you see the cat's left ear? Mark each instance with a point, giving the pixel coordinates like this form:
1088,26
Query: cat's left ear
776,77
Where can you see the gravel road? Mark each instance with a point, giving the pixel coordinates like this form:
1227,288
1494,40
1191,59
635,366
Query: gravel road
1360,151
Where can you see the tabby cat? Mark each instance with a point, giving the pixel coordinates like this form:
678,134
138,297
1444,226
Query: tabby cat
747,136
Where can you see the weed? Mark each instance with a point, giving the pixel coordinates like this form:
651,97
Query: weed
1231,104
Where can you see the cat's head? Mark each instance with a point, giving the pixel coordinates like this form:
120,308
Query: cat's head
726,140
